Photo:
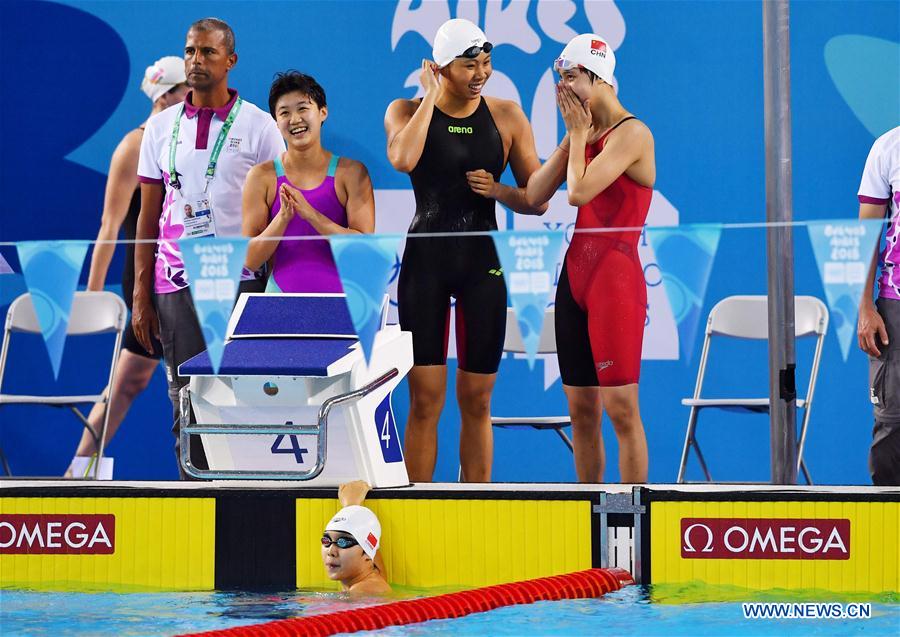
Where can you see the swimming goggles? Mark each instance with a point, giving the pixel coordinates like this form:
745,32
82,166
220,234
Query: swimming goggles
342,542
562,64
475,51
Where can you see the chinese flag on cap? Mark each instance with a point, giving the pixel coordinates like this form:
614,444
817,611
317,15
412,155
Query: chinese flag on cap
372,540
598,45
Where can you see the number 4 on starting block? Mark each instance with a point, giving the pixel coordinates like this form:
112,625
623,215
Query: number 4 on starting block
387,431
295,449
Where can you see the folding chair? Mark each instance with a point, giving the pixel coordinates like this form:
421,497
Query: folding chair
547,345
747,317
514,344
92,313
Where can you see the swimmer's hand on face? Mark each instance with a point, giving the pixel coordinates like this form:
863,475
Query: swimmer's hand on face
482,182
429,77
575,114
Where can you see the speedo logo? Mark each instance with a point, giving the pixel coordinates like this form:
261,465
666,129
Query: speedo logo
460,130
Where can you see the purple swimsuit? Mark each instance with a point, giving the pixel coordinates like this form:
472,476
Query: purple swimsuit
307,266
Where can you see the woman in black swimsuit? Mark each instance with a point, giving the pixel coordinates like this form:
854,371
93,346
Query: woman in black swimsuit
455,144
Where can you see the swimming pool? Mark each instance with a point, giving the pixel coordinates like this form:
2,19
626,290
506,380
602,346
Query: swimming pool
633,610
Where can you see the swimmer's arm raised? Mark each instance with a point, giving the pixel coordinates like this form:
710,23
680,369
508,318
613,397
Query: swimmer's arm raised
120,186
406,123
523,160
354,493
255,218
623,149
577,117
547,179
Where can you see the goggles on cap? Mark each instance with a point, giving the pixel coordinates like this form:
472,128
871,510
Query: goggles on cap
475,51
342,542
562,64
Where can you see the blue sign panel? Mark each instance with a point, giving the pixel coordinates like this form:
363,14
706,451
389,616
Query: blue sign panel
386,428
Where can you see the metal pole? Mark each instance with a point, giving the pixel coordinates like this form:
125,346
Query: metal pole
779,240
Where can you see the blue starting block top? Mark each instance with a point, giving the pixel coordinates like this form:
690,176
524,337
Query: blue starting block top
282,335
272,357
294,316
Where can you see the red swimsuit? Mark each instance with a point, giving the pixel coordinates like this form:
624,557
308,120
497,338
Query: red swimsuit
601,301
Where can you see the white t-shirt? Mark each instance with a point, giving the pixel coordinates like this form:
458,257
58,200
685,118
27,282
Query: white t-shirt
881,186
253,139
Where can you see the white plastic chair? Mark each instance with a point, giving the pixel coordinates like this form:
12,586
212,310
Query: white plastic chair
547,345
92,313
747,317
514,344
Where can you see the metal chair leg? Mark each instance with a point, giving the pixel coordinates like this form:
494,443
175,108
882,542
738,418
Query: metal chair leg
688,439
702,461
805,471
565,438
86,424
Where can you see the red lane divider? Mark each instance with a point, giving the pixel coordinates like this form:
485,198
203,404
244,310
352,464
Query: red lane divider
583,584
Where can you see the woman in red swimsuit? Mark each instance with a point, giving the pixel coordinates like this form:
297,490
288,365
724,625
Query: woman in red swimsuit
607,160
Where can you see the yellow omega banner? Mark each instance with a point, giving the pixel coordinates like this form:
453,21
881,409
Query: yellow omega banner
843,547
133,543
431,543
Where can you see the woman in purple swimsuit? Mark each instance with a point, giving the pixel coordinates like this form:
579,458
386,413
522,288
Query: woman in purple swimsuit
307,192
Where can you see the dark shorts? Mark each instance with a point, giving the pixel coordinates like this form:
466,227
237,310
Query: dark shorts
884,392
468,270
884,371
182,339
130,342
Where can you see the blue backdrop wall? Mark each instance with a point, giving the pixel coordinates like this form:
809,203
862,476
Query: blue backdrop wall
692,70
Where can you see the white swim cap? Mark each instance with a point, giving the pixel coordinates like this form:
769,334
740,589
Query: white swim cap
458,38
591,52
162,75
361,523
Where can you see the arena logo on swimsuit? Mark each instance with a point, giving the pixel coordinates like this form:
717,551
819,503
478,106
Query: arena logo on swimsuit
58,534
766,539
464,130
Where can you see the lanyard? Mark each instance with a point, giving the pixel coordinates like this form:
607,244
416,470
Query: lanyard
217,147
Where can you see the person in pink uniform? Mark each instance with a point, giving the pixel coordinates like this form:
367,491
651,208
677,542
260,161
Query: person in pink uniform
306,192
879,318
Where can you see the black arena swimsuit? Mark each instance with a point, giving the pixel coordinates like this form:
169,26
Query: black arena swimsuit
465,268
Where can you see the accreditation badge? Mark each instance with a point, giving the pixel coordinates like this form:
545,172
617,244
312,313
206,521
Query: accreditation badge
197,213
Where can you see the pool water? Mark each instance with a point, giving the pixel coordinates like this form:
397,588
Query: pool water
631,611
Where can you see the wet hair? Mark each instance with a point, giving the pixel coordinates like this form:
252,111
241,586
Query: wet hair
294,81
215,24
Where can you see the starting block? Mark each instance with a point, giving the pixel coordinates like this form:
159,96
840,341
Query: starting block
294,398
